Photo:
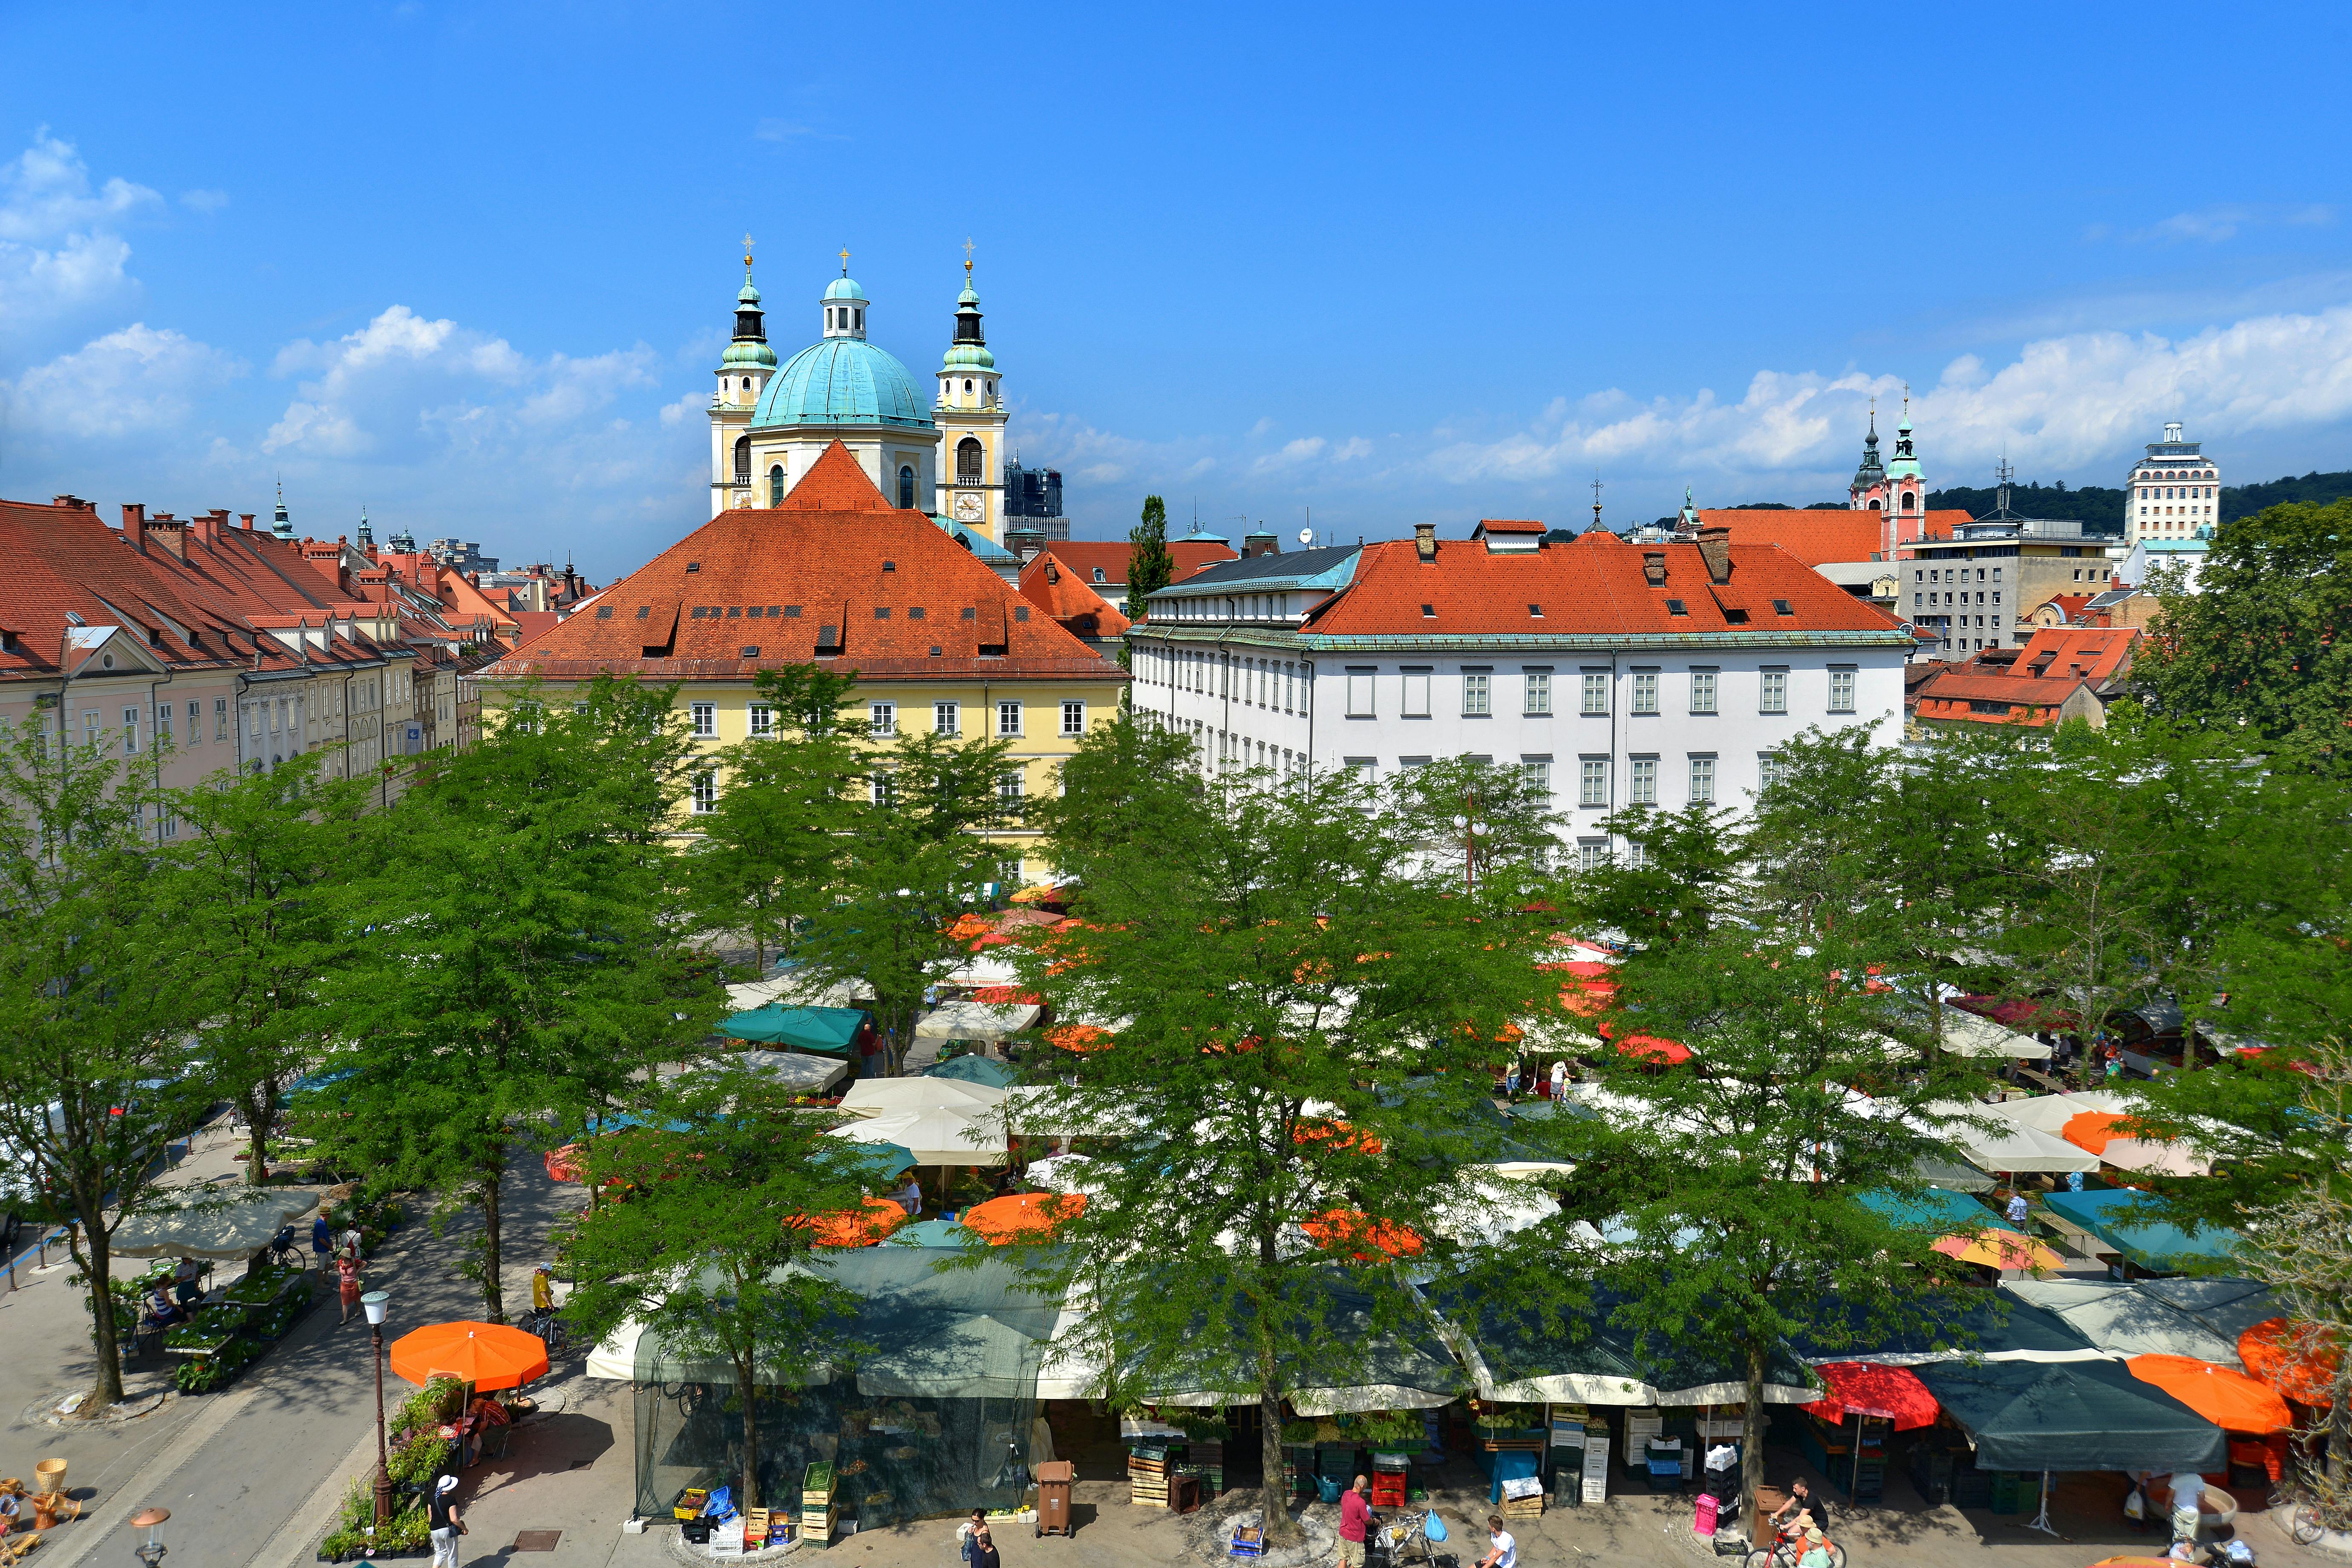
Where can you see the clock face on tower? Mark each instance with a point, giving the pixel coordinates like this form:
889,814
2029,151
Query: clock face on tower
968,508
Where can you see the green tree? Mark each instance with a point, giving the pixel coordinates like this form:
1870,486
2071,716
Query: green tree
1735,1181
254,882
1150,566
780,825
708,1244
1303,1023
1116,791
2261,644
520,952
921,850
96,1004
1477,818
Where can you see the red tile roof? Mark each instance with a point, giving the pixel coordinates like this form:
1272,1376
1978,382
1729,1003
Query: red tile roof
1080,611
1512,525
1595,586
2095,653
756,587
1084,555
2069,605
1816,537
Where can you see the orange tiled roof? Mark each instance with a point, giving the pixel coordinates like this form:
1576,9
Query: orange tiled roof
1817,537
1084,555
1080,611
760,587
1595,586
2095,653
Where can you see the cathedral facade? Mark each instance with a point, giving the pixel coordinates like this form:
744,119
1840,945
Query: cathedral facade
941,454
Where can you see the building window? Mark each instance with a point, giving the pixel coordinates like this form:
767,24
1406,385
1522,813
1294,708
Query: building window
130,732
1771,768
1360,693
968,458
1416,694
1701,780
882,719
1008,785
706,794
220,718
764,719
1008,718
947,719
162,723
776,485
1596,693
1772,696
1636,855
743,457
1592,781
1537,773
1645,691
878,786
1644,782
905,488
1591,854
1539,693
1073,717
1842,690
1477,701
706,719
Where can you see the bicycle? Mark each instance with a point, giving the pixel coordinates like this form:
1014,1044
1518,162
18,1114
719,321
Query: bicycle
549,1325
2302,1522
1786,1548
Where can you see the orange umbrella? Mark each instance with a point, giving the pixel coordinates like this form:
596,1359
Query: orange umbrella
567,1163
1079,1038
2298,1361
2136,1563
488,1356
1996,1248
1335,1228
2230,1400
864,1225
1022,1216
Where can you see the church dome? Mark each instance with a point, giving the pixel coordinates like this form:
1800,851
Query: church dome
844,287
842,381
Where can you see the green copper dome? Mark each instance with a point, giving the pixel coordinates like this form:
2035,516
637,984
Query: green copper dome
842,381
750,351
969,356
844,287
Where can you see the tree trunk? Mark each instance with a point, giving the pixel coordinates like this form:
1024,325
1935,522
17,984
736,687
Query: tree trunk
745,1371
493,1297
259,1112
1279,1529
89,1245
1752,1450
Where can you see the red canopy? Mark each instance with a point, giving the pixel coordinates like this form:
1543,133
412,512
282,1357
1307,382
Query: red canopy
1882,1392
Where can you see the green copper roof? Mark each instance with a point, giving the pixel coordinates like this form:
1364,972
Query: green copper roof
747,295
969,356
750,351
844,289
842,381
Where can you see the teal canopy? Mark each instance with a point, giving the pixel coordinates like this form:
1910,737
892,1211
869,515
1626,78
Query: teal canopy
830,1030
975,1069
1933,1209
2082,1416
1967,1324
870,1163
932,1233
2154,1244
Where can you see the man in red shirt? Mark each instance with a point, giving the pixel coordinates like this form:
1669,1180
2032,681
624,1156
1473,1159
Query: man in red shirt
1355,1513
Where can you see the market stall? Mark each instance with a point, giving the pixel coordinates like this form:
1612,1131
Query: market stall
2101,1132
1972,1034
2051,1112
1959,1325
976,1021
2124,1319
796,1071
975,1069
1991,1143
828,1031
213,1222
880,1095
936,1136
230,1327
1845,1431
2132,1225
2230,1400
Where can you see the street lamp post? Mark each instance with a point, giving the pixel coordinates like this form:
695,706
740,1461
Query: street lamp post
151,1551
375,1303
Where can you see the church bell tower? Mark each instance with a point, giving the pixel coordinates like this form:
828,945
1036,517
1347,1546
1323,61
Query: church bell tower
743,372
970,416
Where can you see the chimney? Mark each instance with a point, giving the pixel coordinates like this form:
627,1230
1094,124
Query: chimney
134,525
1425,540
1714,547
1053,570
72,503
245,520
1653,568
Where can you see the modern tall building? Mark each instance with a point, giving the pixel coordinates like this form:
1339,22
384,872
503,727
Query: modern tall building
2173,490
769,423
1033,496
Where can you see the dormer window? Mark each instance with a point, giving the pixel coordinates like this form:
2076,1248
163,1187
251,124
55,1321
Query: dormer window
1098,575
1676,608
1782,607
1534,612
1428,611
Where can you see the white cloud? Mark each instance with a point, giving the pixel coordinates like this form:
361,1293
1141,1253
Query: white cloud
204,201
59,248
137,380
2213,224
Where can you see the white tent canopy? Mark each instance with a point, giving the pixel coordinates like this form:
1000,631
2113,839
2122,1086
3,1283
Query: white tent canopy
214,1222
1972,1036
934,1137
1064,1173
792,1069
616,1358
884,1096
793,989
1999,1148
2050,1112
1030,1110
975,1021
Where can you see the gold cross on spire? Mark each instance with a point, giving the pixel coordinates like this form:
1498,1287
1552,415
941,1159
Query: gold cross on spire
845,261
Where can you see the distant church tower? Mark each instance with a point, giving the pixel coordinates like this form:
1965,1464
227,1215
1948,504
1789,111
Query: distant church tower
743,372
1896,489
1903,477
970,416
1868,491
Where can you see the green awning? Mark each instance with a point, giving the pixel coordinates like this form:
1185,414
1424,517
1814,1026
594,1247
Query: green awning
2079,1415
1933,1209
1582,1359
832,1030
2156,1245
976,1069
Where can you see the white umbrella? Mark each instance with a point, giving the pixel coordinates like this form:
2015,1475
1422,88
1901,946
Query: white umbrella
933,1137
887,1096
1030,1110
215,1222
2051,1112
794,1070
2008,1148
616,1358
1062,1173
1972,1036
1489,1209
975,1021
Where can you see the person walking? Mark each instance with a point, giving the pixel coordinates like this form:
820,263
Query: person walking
442,1523
2017,1209
983,1550
968,1532
1560,1080
322,1242
1355,1514
347,1275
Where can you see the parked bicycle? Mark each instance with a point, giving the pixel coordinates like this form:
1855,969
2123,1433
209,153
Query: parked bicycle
549,1325
2303,1521
1788,1546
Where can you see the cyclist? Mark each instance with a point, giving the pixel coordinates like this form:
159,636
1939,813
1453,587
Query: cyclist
1817,1549
1801,1502
543,1288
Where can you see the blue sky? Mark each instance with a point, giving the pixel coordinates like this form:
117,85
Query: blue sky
472,266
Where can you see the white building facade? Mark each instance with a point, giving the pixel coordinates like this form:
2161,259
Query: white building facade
2173,492
1617,675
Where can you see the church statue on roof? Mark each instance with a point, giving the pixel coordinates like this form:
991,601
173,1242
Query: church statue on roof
770,422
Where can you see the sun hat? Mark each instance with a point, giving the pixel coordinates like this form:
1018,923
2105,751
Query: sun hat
1814,1535
449,1483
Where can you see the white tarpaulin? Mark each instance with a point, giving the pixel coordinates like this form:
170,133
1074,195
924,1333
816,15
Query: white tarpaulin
1997,1147
1972,1036
975,1021
1064,1173
2050,1112
932,1136
794,990
616,1358
1030,1110
792,1069
884,1096
214,1222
